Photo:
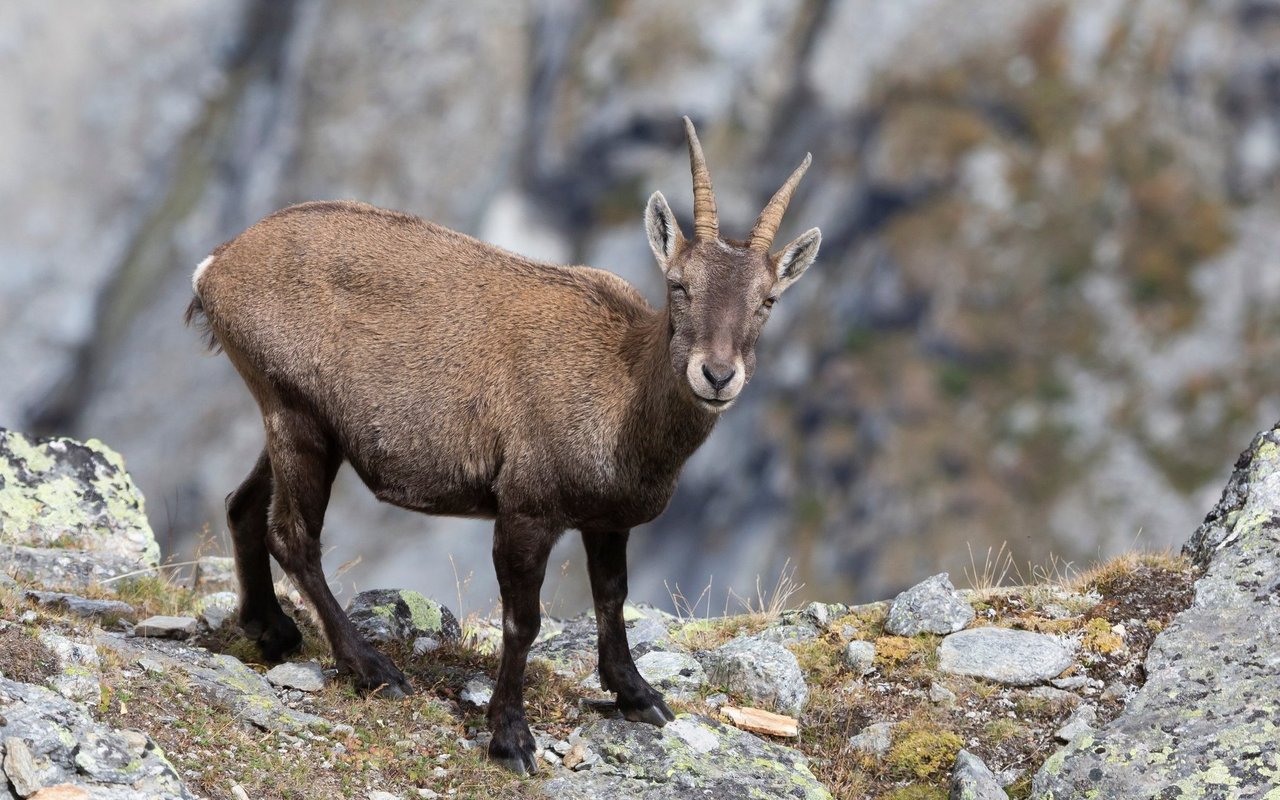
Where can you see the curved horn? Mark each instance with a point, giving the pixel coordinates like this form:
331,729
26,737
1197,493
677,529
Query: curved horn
706,223
767,223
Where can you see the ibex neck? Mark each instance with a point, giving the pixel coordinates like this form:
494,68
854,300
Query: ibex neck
666,423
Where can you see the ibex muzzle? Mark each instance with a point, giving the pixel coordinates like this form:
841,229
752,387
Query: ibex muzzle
458,378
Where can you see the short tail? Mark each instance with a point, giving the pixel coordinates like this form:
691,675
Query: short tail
195,316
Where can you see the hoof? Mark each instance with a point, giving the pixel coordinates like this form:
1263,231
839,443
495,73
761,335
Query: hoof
393,691
657,714
379,677
515,753
276,639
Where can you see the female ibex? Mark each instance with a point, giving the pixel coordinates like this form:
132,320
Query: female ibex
458,378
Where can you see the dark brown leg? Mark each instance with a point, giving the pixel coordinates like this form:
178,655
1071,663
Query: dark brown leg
260,617
521,546
304,463
607,565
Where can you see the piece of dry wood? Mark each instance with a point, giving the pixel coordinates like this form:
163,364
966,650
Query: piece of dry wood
758,720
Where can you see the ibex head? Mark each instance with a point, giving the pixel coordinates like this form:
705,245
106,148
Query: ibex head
719,291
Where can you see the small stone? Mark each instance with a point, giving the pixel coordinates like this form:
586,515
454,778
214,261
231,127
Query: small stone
1055,611
1079,723
82,606
20,767
1115,691
764,671
305,676
931,606
1071,682
1018,658
28,617
550,757
1053,695
575,756
478,691
382,796
860,657
428,794
440,772
342,730
788,634
716,700
941,695
217,608
165,627
874,739
425,644
972,780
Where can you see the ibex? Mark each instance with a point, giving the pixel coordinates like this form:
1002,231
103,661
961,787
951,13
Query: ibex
461,379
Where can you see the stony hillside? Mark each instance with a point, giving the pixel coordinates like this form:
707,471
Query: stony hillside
1043,313
124,678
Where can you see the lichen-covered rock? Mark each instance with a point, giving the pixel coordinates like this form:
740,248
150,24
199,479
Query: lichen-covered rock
1206,721
762,670
221,678
971,779
690,757
385,615
931,606
1018,658
60,493
78,666
163,626
50,740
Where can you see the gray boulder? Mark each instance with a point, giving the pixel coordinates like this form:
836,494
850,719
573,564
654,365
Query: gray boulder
1205,719
762,670
971,779
385,615
59,495
49,740
166,627
690,757
1018,658
931,606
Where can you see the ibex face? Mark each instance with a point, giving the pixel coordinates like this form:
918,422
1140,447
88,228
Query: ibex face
719,292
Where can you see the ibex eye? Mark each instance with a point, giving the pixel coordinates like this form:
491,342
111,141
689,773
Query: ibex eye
768,303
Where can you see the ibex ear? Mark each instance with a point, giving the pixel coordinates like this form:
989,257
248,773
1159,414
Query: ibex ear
796,257
664,233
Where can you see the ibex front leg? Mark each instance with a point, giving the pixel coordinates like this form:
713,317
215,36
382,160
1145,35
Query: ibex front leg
607,564
520,548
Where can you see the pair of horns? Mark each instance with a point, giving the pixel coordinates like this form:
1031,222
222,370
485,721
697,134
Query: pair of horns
706,222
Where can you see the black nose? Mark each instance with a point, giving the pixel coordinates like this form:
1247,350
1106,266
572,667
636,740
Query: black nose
719,376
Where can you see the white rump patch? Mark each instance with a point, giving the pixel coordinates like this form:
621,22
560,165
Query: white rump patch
200,268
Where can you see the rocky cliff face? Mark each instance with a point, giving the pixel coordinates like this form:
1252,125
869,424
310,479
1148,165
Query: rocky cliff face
1042,313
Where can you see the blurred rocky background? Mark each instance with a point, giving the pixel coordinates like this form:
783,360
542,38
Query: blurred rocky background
1045,312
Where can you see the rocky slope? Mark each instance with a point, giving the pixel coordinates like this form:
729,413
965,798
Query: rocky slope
1042,314
117,682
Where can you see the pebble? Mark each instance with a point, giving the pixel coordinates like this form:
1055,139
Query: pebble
1079,723
941,695
971,779
874,739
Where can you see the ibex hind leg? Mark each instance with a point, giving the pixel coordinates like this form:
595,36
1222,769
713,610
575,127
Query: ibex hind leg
304,462
261,617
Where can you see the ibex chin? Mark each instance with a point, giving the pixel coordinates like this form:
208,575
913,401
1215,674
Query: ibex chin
458,378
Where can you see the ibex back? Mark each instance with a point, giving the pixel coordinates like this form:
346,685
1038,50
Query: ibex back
458,378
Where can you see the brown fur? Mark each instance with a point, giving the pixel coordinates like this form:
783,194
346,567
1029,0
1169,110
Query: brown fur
458,378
